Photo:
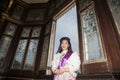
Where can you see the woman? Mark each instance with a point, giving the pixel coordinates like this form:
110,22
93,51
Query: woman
65,63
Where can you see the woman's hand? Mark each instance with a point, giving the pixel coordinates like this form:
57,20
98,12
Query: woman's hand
72,78
56,71
62,70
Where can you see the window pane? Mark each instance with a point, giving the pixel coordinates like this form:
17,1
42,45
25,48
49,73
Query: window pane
35,14
67,27
30,59
43,60
48,28
4,46
19,54
26,32
36,31
17,12
10,30
115,9
51,9
92,43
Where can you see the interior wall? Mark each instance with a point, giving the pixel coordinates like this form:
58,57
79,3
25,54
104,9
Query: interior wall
45,13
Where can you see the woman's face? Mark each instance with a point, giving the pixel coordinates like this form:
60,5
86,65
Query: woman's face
64,45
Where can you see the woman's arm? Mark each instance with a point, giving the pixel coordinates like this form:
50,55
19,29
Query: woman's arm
55,62
74,62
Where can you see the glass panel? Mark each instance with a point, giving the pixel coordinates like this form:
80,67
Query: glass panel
67,27
30,59
59,3
48,28
51,9
115,9
91,36
4,46
36,31
19,54
35,14
43,61
17,12
10,30
26,32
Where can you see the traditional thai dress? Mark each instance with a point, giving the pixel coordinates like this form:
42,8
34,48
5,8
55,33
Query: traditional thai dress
66,59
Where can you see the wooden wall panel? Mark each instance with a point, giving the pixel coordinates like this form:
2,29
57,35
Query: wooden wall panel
109,36
96,68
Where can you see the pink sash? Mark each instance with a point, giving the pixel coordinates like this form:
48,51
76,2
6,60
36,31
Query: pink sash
63,61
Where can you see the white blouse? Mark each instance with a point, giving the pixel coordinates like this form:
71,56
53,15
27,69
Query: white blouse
73,63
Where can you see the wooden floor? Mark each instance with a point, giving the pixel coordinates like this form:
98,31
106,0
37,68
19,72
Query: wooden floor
79,77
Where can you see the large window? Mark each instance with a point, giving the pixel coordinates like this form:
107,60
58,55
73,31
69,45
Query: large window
5,41
27,48
66,26
91,35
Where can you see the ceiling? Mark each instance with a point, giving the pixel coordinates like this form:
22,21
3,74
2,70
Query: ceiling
35,1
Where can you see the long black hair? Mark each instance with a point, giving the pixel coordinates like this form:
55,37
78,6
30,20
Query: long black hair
60,48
